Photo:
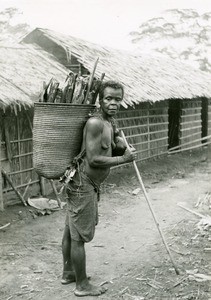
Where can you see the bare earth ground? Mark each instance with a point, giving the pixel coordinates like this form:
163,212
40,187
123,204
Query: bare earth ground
127,253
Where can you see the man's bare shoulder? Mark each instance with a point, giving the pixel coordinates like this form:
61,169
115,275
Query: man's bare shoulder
94,124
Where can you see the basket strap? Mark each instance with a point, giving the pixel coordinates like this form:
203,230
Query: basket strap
77,159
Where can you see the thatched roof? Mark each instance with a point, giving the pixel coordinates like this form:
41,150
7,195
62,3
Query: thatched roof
146,77
22,72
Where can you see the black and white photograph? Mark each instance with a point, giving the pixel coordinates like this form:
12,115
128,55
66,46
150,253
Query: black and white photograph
105,149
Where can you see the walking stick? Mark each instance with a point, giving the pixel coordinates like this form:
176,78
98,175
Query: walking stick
150,206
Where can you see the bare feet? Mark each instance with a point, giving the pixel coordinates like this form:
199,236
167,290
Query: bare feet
69,277
89,290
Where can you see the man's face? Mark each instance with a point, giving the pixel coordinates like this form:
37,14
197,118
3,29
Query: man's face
111,101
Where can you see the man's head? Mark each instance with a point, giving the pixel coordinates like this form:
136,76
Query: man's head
111,84
110,97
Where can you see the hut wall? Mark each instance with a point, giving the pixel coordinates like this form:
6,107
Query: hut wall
146,128
1,185
190,123
16,154
209,118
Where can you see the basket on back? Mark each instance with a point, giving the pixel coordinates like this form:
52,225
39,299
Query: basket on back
57,136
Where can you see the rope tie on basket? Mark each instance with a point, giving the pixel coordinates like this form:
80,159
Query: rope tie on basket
71,170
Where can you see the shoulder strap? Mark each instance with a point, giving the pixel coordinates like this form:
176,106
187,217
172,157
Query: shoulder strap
78,159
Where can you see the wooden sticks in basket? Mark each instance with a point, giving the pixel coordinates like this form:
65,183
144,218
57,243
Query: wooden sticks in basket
77,89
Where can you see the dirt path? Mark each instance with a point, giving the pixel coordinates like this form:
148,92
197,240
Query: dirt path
127,250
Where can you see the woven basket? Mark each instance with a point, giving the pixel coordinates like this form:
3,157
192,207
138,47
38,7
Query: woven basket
57,136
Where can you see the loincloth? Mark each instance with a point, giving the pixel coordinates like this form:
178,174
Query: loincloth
82,208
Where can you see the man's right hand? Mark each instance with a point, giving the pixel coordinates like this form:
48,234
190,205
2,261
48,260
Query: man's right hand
130,154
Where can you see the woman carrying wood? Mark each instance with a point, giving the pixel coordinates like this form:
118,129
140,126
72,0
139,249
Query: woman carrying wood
102,148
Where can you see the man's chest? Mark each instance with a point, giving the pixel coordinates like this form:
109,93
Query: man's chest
107,138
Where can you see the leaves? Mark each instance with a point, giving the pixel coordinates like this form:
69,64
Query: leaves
8,29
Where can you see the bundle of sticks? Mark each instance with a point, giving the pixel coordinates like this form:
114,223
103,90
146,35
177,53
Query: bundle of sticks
77,89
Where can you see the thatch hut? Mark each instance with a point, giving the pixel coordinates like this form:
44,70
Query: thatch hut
22,72
166,103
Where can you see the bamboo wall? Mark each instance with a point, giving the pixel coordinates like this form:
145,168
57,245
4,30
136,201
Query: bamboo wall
190,131
16,152
1,183
209,118
146,128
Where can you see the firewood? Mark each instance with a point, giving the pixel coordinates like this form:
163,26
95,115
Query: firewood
91,78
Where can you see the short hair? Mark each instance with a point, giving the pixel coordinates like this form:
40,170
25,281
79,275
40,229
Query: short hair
112,84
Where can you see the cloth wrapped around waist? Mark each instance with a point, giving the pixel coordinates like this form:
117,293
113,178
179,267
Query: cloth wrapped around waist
82,205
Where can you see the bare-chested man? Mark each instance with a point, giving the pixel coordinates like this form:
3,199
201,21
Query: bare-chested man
101,142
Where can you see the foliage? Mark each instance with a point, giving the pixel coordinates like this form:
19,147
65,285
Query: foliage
179,33
10,30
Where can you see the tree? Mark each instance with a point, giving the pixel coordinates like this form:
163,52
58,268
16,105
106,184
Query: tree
9,31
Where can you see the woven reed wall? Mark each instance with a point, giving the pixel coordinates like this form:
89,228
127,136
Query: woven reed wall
146,128
1,179
209,118
16,152
190,123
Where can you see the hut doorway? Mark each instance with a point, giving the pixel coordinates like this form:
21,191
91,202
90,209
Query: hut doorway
204,119
174,122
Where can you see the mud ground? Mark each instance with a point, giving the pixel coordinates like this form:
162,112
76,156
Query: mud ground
127,254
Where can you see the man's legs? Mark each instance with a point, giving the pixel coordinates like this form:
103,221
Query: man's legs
83,287
68,272
79,261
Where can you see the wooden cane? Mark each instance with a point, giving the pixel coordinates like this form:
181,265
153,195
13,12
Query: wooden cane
150,206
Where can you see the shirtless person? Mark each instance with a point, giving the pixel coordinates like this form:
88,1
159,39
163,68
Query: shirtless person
100,141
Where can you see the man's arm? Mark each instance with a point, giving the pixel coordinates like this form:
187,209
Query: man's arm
94,129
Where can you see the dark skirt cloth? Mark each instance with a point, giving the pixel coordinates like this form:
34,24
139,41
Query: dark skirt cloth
82,207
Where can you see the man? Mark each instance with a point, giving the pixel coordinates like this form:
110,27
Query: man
100,143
